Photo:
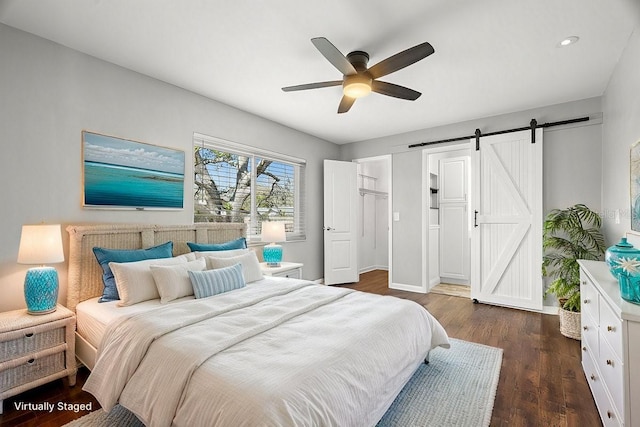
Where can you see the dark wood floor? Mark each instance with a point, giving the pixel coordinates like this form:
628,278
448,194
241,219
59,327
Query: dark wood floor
541,382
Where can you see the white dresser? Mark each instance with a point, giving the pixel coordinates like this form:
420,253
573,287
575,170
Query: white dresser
610,346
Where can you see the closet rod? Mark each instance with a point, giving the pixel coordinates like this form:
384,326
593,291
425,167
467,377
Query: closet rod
462,138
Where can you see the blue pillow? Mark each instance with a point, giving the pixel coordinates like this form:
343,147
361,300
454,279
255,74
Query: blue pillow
240,243
105,256
212,282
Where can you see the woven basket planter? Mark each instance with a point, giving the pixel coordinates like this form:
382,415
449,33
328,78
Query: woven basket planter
569,323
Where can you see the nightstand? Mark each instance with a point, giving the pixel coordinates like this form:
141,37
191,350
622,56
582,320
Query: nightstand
292,270
35,350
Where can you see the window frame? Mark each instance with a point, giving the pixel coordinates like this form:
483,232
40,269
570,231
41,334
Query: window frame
299,215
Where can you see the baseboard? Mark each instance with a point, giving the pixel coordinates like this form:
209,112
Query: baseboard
409,288
374,267
452,281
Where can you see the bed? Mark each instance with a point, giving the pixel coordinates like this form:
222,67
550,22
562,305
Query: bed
275,352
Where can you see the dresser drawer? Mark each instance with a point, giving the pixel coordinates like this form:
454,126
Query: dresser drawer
32,370
606,408
31,340
611,328
590,334
590,301
612,371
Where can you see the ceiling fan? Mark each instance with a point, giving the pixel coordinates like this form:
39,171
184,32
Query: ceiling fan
358,80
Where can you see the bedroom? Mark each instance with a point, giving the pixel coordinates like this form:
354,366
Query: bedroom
50,93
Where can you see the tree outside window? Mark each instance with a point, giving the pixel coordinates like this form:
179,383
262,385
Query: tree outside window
235,187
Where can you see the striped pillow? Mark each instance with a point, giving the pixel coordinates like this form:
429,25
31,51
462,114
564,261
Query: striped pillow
212,282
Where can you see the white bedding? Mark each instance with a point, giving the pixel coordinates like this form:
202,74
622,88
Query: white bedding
286,353
92,317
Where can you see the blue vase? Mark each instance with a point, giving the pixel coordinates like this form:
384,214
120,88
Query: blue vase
623,260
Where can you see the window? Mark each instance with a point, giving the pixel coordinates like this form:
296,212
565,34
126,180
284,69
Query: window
238,183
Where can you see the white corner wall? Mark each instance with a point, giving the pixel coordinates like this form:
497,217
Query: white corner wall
621,129
51,93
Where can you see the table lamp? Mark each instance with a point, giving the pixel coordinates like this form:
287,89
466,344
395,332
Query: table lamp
41,244
273,232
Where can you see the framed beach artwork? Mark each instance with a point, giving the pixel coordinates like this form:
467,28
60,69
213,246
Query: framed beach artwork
635,186
119,173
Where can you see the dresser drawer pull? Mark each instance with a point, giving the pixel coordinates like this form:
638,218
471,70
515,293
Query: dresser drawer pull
584,282
585,328
586,301
610,328
28,335
30,361
584,348
609,414
609,362
593,377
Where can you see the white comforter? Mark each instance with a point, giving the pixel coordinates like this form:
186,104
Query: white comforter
283,354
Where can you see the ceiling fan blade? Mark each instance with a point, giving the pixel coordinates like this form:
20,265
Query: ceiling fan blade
401,60
312,86
345,104
334,56
396,91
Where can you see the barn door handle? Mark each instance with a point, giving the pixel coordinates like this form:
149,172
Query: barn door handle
475,218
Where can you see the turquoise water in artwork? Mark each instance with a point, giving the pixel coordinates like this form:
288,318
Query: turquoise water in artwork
113,185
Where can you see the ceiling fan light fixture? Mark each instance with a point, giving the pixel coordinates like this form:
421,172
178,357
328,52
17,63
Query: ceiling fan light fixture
356,86
569,41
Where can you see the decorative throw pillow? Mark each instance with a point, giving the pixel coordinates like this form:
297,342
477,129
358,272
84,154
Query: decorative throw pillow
220,254
249,261
212,282
173,281
134,280
240,243
105,256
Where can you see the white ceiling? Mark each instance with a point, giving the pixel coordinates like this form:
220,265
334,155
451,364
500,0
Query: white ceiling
491,56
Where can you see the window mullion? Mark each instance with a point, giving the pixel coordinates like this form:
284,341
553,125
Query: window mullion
254,208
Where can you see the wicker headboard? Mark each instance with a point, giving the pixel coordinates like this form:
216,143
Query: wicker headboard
85,274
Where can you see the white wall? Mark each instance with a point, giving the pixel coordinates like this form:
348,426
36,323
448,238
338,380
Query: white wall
572,170
50,93
621,129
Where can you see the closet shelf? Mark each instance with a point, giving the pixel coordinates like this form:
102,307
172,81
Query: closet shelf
376,193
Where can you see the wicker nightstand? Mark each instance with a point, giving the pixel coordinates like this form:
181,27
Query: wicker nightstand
35,350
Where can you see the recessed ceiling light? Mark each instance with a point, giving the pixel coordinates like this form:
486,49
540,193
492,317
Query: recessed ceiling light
569,41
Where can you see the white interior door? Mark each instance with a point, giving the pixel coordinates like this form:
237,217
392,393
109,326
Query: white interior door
454,243
506,249
340,222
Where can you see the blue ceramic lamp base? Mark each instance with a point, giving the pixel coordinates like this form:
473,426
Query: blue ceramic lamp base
272,255
41,290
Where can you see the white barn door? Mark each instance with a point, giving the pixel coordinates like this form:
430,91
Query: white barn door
506,251
340,222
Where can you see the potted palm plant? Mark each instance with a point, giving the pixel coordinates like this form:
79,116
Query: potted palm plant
569,235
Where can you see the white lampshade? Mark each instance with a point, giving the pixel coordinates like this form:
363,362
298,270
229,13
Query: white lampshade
40,244
273,232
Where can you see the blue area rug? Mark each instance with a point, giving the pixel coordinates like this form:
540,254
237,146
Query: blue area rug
457,388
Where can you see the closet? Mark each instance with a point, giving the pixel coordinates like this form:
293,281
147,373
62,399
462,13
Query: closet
374,176
449,246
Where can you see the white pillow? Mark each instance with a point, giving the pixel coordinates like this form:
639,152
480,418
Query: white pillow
250,265
134,279
220,254
173,281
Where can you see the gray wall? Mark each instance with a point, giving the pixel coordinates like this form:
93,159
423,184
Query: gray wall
572,170
621,107
50,93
